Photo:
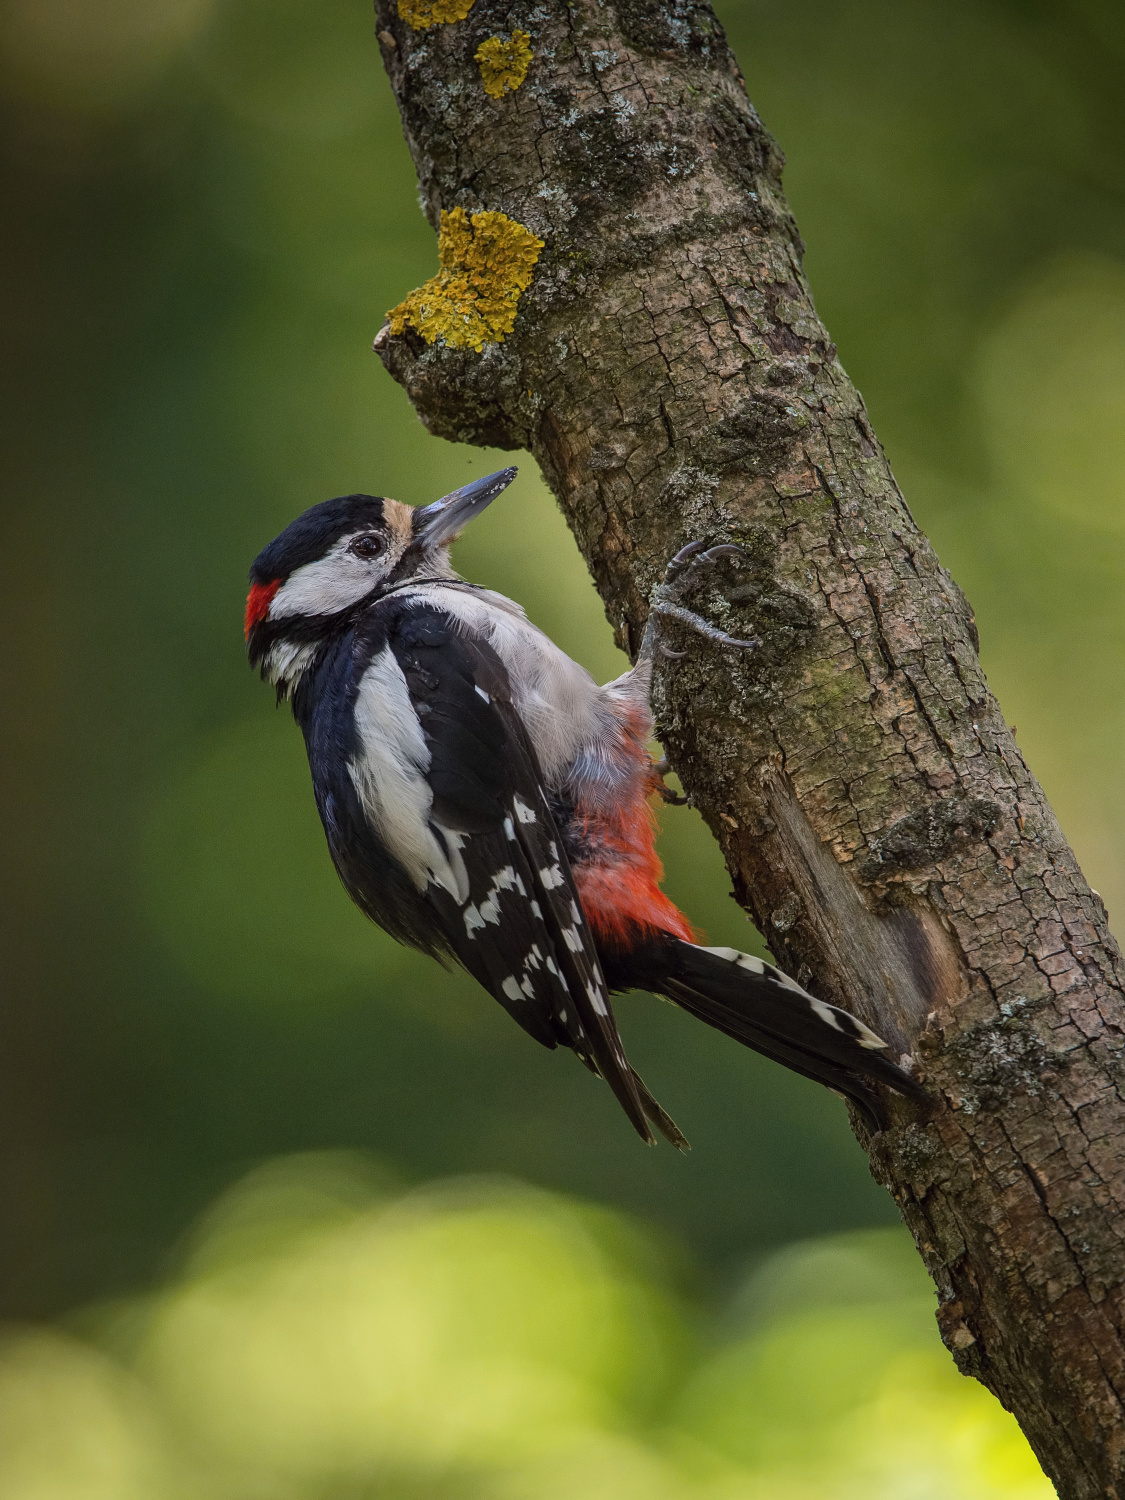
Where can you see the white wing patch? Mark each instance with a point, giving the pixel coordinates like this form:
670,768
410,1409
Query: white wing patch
389,776
826,1013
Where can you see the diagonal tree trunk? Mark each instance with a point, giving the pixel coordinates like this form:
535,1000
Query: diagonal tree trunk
622,294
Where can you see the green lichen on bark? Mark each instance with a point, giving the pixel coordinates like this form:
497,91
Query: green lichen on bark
487,261
503,62
421,14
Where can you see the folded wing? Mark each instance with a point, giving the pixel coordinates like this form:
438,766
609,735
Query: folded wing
508,910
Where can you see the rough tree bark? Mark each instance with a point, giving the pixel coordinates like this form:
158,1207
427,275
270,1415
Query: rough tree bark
668,371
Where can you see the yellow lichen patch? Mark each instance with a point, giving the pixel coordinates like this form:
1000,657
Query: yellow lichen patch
487,261
422,13
504,61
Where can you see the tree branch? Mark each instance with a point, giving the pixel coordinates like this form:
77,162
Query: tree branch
660,355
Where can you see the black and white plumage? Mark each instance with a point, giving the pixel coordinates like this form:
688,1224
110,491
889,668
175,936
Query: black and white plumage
486,801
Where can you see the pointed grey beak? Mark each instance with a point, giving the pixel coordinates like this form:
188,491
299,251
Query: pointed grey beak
440,522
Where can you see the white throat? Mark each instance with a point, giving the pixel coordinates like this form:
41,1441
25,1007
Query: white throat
285,663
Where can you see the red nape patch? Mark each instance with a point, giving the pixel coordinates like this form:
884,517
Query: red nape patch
258,603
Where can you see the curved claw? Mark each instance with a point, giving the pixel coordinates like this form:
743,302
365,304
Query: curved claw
698,554
683,557
686,553
669,653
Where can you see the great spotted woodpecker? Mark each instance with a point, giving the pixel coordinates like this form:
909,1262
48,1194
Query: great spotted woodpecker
487,802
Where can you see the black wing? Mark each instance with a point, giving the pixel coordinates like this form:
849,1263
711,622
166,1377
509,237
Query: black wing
521,931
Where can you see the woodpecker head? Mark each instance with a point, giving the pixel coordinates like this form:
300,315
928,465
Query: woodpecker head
341,555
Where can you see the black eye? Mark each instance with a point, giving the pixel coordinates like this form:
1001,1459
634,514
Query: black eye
367,547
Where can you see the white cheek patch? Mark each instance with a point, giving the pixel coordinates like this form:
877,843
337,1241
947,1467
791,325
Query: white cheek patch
333,583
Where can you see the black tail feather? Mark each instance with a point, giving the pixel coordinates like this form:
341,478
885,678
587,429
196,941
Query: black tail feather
765,1010
660,1117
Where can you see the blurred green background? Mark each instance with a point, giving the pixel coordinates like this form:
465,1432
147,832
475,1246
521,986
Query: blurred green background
287,1211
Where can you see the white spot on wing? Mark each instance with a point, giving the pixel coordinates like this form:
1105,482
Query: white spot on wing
504,880
511,988
509,828
478,689
575,914
523,812
552,877
861,1034
572,939
597,999
867,1038
473,920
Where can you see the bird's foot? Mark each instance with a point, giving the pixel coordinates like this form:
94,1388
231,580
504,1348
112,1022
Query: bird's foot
660,769
683,574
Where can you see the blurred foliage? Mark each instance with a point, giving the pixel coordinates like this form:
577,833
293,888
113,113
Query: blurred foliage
326,1335
209,209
